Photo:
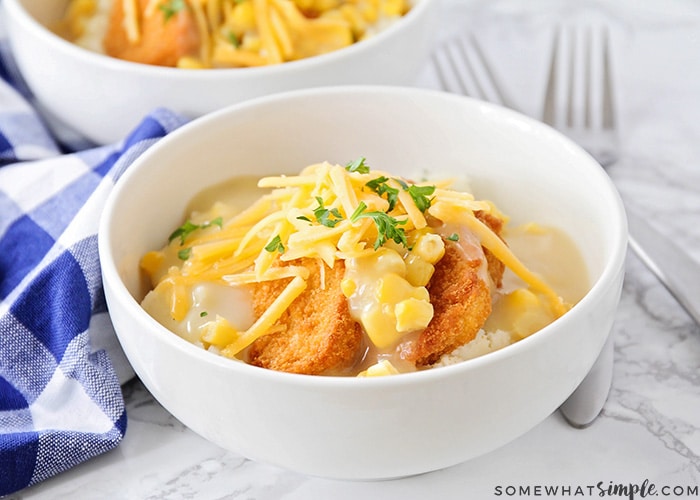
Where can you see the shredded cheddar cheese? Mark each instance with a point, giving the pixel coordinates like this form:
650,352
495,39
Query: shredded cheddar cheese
239,33
382,226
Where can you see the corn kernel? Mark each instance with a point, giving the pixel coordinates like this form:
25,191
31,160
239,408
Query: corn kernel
392,288
429,247
529,314
241,18
522,298
393,7
177,296
380,369
218,332
418,271
348,287
369,11
82,8
251,43
354,18
380,327
152,261
413,314
389,261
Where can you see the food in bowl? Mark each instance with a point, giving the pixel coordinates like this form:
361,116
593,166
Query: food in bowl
224,33
62,76
348,270
363,428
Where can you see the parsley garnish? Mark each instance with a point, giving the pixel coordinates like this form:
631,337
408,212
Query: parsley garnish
171,7
233,39
275,245
453,237
188,227
358,165
325,217
420,196
380,186
184,254
203,314
387,226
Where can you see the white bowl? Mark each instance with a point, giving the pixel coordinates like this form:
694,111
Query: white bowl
104,98
386,427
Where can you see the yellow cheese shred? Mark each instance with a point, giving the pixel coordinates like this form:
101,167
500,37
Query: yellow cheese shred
268,318
310,216
131,21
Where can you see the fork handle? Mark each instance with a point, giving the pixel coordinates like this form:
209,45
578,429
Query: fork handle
678,272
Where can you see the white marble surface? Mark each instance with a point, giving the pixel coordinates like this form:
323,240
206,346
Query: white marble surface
650,426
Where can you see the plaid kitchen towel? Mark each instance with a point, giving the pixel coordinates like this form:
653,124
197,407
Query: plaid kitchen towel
60,396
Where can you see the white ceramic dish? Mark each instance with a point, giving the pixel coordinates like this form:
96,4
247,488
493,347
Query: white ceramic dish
368,428
104,98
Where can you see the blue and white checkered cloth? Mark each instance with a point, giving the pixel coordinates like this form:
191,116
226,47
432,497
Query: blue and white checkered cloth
60,363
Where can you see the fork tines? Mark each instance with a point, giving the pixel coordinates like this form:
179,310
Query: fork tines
462,68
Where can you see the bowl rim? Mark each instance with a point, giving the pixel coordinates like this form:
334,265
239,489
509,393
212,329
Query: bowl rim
18,12
611,269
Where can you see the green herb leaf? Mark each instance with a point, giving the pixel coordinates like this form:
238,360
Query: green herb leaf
203,314
453,237
380,186
420,196
387,226
275,245
233,39
304,218
185,253
358,165
183,232
188,227
171,7
325,217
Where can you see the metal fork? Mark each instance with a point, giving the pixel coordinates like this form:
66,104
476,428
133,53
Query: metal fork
580,102
462,68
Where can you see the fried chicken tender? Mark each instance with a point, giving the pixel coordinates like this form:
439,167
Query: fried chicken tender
318,334
163,40
320,337
461,300
461,304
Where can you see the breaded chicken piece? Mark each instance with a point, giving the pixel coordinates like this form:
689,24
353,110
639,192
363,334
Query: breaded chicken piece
319,336
164,40
461,304
461,300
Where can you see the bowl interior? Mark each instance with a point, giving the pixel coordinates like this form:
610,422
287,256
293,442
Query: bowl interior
531,172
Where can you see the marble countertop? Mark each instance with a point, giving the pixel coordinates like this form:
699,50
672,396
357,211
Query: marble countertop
649,430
